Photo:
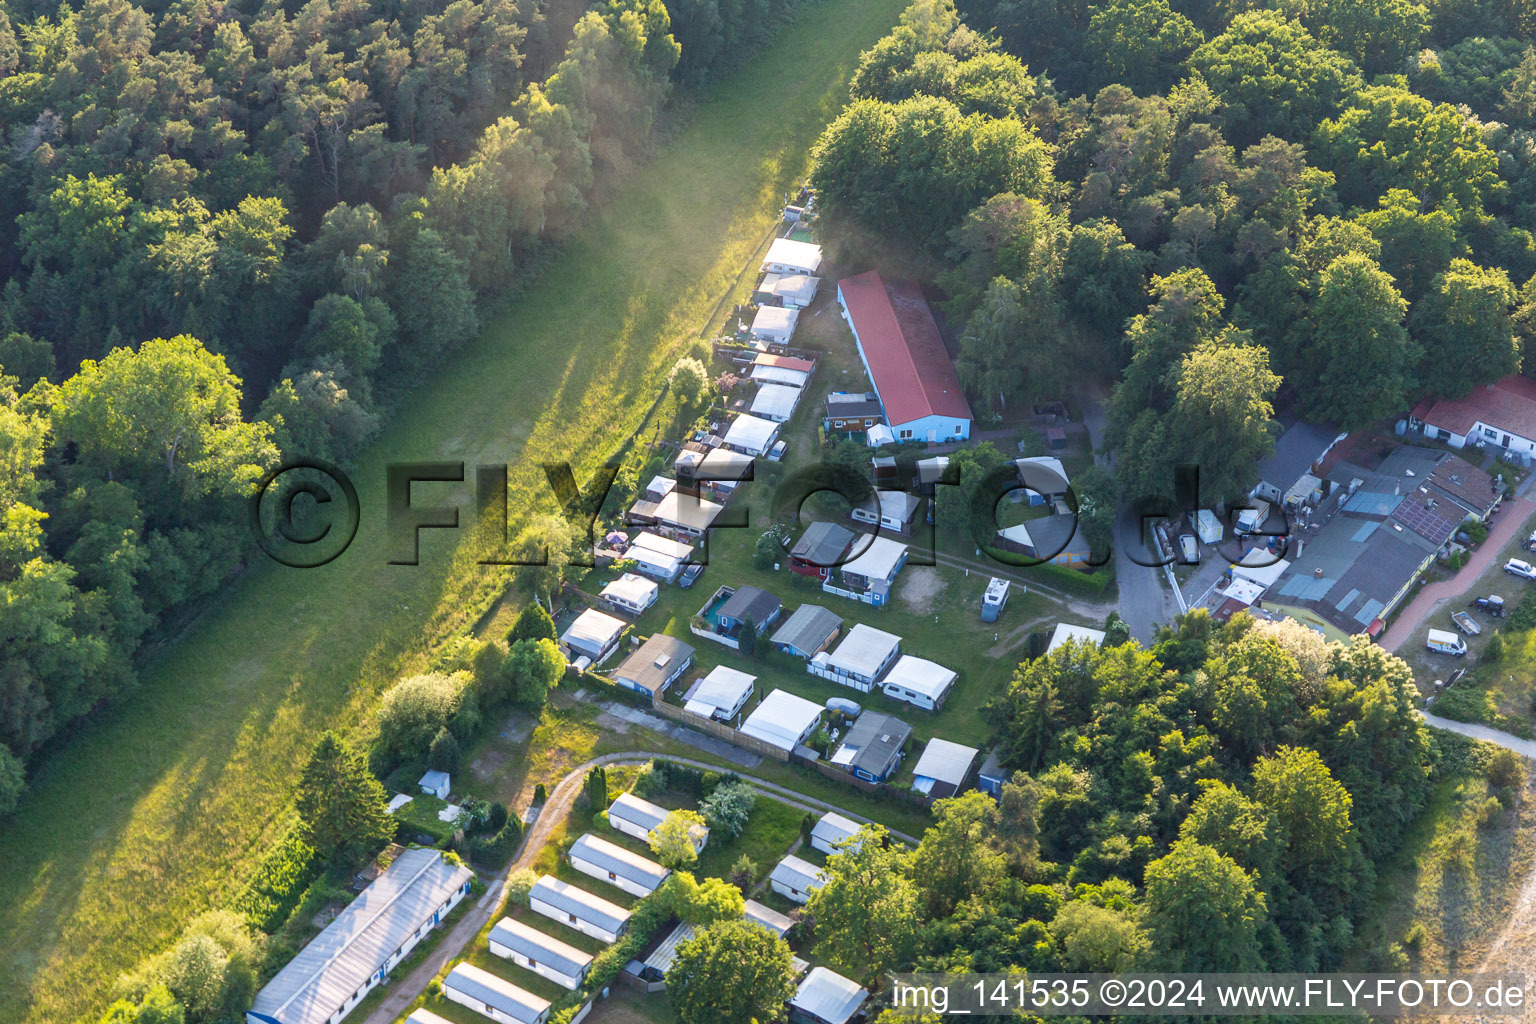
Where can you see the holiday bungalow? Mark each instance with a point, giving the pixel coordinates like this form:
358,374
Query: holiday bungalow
830,830
685,515
892,510
794,291
630,594
435,783
992,774
576,908
1044,479
658,557
369,937
919,681
654,666
638,817
787,256
825,997
862,657
720,695
490,996
819,548
808,632
593,635
775,402
903,353
943,768
748,604
848,412
607,862
751,435
872,747
869,576
1056,539
544,955
796,879
783,720
774,325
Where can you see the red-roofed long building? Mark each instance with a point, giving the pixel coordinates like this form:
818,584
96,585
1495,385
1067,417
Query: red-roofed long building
1502,414
900,345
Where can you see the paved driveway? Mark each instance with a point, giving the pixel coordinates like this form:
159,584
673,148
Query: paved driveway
1511,524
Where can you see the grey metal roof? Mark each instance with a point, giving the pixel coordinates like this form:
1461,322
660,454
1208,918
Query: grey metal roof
749,602
540,948
633,809
619,861
327,972
877,739
1295,450
1347,574
517,1003
579,903
992,767
809,628
662,956
798,874
822,543
829,996
767,917
833,827
641,666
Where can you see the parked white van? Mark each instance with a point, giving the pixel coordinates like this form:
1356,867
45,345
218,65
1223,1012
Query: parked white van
1445,642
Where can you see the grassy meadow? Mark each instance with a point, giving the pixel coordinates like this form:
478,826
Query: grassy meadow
155,811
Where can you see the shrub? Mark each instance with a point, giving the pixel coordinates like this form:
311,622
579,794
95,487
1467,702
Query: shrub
727,809
494,851
520,885
743,873
650,781
496,820
443,755
413,710
807,823
1416,935
533,623
277,886
539,794
1505,769
1494,651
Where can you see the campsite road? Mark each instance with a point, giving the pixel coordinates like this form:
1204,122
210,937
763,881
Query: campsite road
404,991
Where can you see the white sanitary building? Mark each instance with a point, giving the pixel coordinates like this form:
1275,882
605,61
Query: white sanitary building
636,875
783,720
796,879
859,660
576,908
331,975
919,681
544,955
492,997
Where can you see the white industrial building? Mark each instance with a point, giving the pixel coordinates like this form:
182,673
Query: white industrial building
372,934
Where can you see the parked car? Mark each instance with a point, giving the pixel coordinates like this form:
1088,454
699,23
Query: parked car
1493,605
1530,542
690,575
1525,570
1445,642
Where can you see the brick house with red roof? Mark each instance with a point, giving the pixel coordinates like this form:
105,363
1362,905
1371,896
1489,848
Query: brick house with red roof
1502,414
900,346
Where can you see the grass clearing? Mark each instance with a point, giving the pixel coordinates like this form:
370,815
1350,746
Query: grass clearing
160,808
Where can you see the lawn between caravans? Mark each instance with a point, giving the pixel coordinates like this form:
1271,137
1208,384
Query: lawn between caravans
154,813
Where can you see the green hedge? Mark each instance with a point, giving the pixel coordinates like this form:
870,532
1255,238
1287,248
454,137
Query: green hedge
494,851
275,889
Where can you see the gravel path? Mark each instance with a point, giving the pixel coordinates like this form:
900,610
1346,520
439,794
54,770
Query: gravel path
404,991
1526,748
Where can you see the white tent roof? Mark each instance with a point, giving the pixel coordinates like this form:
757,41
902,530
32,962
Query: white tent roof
662,545
1261,567
722,688
780,375
1018,534
880,434
920,676
775,401
864,650
828,996
594,628
877,560
787,252
781,718
944,761
751,433
1243,590
631,589
1065,631
775,320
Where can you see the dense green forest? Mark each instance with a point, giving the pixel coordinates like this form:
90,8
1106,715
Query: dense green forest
235,230
1222,205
